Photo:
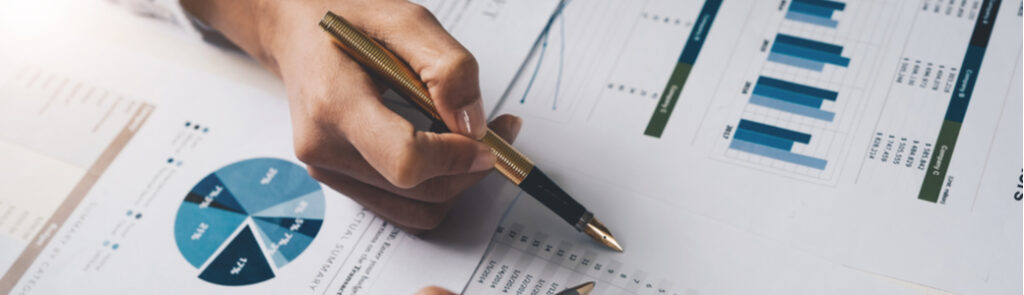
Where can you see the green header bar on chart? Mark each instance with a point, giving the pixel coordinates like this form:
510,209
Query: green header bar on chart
683,67
935,178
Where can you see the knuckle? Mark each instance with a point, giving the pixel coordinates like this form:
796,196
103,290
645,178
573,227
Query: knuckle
404,168
414,12
317,174
305,149
461,62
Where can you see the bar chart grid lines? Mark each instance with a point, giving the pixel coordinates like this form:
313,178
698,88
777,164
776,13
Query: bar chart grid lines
803,62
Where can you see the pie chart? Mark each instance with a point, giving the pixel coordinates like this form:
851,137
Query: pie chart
242,223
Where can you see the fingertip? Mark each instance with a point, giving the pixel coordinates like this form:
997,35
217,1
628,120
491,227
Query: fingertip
516,125
433,290
507,126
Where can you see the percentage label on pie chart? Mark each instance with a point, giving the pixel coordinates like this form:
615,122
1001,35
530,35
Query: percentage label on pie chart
242,223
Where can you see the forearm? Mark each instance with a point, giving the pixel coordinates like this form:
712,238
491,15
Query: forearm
247,23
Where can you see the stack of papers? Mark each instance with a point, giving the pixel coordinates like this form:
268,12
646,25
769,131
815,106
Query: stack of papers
732,146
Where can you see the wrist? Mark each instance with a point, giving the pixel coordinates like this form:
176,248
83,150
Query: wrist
249,24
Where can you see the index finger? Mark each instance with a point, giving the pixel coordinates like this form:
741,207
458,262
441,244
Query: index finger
450,72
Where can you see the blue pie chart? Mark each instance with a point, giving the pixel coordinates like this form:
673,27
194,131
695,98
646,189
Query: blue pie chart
242,223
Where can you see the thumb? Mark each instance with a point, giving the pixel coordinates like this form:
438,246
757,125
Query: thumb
437,154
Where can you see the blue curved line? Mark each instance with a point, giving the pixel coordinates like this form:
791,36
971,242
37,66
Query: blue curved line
540,60
543,50
561,62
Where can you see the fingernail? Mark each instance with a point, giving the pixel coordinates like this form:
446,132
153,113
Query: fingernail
471,119
484,161
468,128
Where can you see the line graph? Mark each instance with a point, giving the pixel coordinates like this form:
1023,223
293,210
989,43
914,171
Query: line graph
560,18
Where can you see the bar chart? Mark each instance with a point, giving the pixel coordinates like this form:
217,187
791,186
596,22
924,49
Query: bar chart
793,98
811,69
805,53
773,142
815,12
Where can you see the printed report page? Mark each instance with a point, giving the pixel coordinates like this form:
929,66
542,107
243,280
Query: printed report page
140,175
201,196
883,136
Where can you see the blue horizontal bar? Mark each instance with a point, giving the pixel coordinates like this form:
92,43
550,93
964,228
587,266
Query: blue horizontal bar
775,131
824,3
699,33
811,9
812,19
785,95
786,106
811,54
763,139
797,41
965,84
796,61
774,153
812,91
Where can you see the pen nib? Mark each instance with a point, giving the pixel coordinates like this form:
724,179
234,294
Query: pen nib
596,230
585,288
581,289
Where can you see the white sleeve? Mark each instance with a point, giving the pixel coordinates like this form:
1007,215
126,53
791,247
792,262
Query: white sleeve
170,11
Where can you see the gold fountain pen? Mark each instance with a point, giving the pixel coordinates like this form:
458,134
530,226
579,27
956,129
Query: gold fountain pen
511,163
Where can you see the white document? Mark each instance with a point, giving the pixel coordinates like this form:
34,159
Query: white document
203,194
827,127
128,174
669,250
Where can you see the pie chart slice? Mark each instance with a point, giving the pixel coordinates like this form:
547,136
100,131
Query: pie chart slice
310,205
266,182
285,240
240,263
217,232
308,227
212,192
200,231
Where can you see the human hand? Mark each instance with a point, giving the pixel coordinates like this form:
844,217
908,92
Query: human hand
342,131
434,290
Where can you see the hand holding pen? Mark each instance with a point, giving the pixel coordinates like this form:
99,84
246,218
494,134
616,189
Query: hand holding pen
347,137
516,167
